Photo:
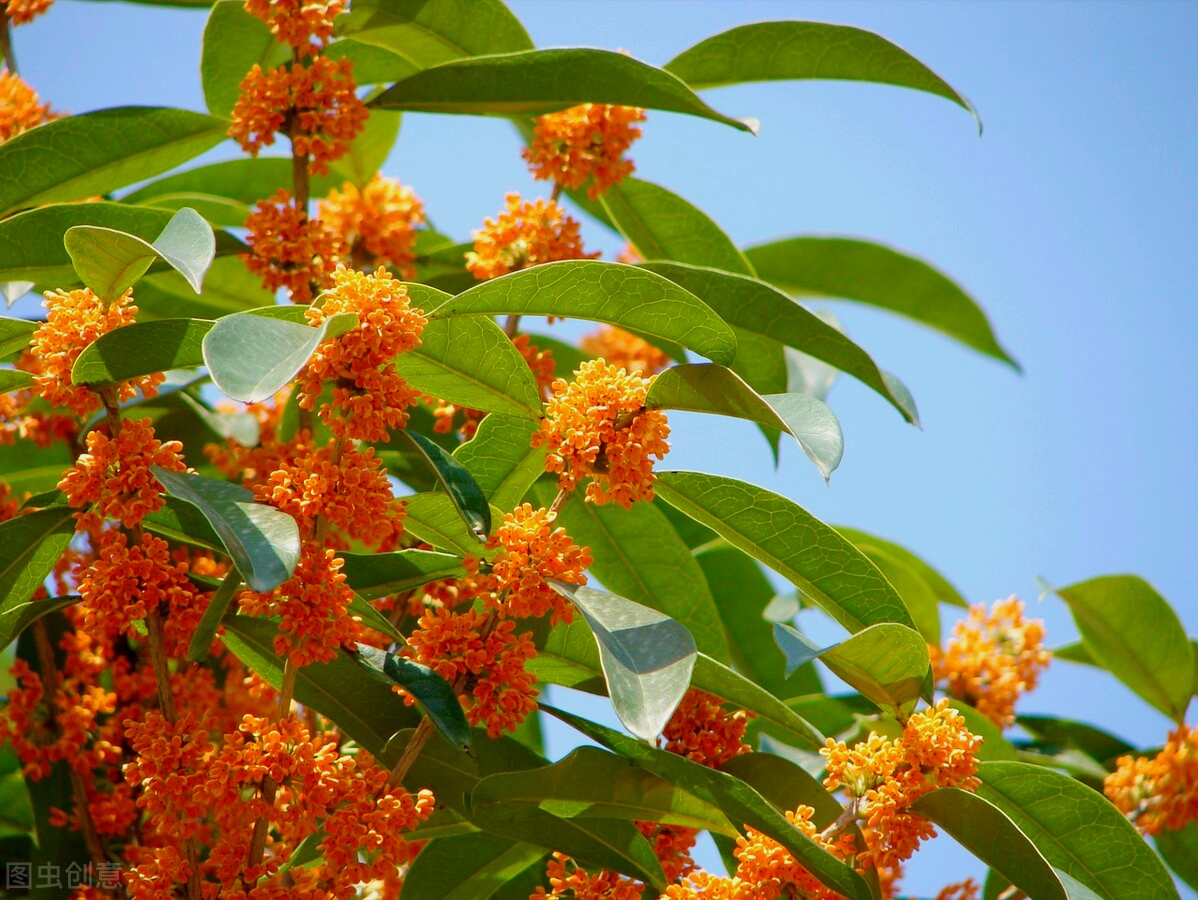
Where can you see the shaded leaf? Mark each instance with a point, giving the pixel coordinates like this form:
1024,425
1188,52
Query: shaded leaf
465,492
234,42
369,150
1180,850
205,632
373,575
469,867
502,460
433,694
141,349
430,33
228,287
786,785
246,180
434,519
32,544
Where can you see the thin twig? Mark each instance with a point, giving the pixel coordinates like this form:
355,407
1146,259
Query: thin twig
510,326
558,501
6,51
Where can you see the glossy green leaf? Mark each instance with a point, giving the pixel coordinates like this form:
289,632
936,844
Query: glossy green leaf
739,802
531,82
31,242
15,335
32,544
994,745
918,596
434,519
785,784
250,357
14,620
433,694
262,541
829,570
1077,830
782,51
246,180
463,490
662,225
141,349
372,65
628,296
1180,850
712,388
431,33
887,663
989,834
502,460
14,380
941,589
108,149
879,276
369,150
1133,633
234,42
469,867
374,575
217,210
362,705
205,632
752,305
229,287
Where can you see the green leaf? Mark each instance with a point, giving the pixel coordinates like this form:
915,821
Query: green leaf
711,388
994,745
97,152
533,82
31,242
647,657
434,519
369,150
109,261
468,867
628,296
373,575
32,544
205,632
941,589
250,357
739,802
463,490
716,678
228,287
262,541
829,570
782,51
916,593
1077,830
785,784
245,180
361,704
372,65
141,349
15,620
754,306
216,210
502,460
887,663
1133,633
15,335
1180,850
430,33
432,693
1053,732
986,832
879,276
234,42
14,380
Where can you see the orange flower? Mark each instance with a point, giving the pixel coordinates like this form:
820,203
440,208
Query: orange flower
597,426
1159,793
123,584
498,692
962,890
525,234
771,869
700,885
532,552
571,146
315,105
570,881
992,659
300,23
377,223
20,106
21,12
672,845
74,320
620,348
114,474
289,250
703,731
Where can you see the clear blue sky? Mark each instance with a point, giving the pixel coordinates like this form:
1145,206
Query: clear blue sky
1073,221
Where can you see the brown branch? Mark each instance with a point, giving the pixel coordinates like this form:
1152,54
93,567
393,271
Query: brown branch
6,41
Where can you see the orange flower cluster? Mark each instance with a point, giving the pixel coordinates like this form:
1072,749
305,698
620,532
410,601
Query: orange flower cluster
539,361
525,234
20,106
289,250
533,551
570,881
458,646
369,396
313,605
774,872
300,23
703,731
377,223
253,465
21,12
113,477
883,777
583,143
1159,793
597,426
992,659
351,491
315,105
627,351
74,320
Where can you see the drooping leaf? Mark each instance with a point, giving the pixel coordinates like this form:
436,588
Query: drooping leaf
647,657
373,575
250,357
262,541
430,33
829,570
234,42
502,460
32,544
14,380
711,388
205,632
1180,850
469,867
432,693
782,51
229,287
1077,830
434,519
627,296
109,148
1133,632
785,784
531,82
871,273
141,349
463,490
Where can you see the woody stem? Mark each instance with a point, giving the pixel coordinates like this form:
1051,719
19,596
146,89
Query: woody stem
558,501
6,42
847,816
510,326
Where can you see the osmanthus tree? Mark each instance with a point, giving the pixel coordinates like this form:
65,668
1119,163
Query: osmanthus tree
298,521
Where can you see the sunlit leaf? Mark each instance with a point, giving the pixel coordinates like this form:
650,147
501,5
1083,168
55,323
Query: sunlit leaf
234,42
15,335
502,460
434,518
430,33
